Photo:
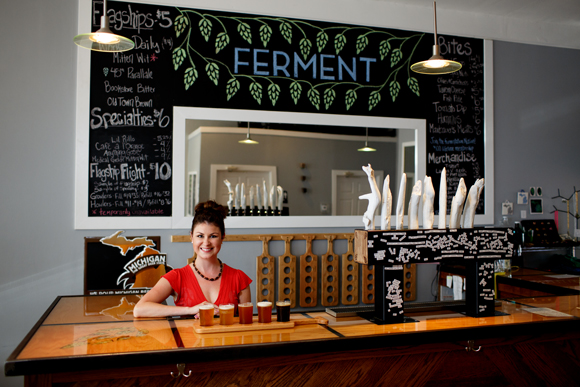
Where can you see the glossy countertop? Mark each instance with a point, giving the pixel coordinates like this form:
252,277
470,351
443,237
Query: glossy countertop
81,328
557,283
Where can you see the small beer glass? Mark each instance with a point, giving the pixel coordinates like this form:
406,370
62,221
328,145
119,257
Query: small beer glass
206,315
265,312
226,314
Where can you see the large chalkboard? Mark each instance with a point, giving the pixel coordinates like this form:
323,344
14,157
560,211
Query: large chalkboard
455,130
201,58
130,156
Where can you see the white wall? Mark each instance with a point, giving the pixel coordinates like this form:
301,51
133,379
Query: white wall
42,256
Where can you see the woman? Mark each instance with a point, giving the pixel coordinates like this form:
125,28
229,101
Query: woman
204,281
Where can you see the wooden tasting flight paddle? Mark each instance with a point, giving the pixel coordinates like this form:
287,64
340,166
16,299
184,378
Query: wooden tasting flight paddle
256,326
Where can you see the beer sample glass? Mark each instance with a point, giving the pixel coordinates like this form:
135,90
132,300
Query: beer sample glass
226,314
283,311
265,312
206,315
246,311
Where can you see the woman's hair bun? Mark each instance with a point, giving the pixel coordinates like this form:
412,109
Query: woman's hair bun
211,206
212,213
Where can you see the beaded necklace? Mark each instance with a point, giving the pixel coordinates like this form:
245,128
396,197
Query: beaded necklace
210,279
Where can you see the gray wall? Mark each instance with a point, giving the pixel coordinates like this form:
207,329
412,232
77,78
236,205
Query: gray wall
537,125
536,136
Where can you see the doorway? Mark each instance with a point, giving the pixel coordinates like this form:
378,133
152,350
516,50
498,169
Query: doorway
347,186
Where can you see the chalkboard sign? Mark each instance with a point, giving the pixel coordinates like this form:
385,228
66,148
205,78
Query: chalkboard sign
130,156
455,130
200,58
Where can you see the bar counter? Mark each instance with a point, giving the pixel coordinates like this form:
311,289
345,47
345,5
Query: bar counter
533,341
527,282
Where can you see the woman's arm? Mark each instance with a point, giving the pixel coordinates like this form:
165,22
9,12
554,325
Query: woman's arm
245,295
150,304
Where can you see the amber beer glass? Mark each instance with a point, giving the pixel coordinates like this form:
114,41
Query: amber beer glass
283,311
227,314
265,312
246,311
206,315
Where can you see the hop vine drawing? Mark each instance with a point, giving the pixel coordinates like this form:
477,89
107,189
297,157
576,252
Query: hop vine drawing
190,25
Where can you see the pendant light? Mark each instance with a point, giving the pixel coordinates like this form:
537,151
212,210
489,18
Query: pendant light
436,64
248,140
104,40
366,148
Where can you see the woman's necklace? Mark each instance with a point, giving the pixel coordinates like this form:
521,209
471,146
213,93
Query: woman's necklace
210,279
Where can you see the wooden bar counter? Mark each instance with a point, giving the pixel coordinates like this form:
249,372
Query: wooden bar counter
526,282
94,340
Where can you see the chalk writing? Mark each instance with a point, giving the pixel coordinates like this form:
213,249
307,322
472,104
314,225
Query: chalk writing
130,153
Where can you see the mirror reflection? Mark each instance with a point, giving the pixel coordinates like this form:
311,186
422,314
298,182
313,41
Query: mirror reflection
318,167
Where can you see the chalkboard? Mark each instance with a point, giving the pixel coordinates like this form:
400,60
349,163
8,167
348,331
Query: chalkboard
455,129
200,58
130,156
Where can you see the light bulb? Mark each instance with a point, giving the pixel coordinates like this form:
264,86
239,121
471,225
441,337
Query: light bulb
104,38
436,63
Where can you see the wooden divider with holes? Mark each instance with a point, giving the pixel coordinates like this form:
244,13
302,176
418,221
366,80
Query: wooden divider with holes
337,274
308,275
349,277
265,274
330,279
368,284
287,274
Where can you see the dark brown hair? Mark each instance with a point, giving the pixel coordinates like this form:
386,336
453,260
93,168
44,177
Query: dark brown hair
212,213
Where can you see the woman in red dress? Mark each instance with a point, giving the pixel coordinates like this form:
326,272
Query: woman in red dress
206,280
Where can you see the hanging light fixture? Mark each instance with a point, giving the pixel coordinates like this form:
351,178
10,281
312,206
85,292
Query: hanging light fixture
366,148
436,64
248,140
104,39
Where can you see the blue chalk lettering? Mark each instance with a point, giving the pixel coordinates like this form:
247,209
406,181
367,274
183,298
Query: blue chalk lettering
342,64
368,69
281,68
298,61
260,64
237,59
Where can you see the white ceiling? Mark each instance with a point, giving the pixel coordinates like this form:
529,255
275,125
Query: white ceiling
544,22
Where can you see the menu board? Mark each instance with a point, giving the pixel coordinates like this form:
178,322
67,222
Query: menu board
203,58
455,120
130,156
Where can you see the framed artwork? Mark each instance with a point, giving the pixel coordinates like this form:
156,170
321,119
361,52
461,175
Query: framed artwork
507,208
522,197
119,265
536,206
